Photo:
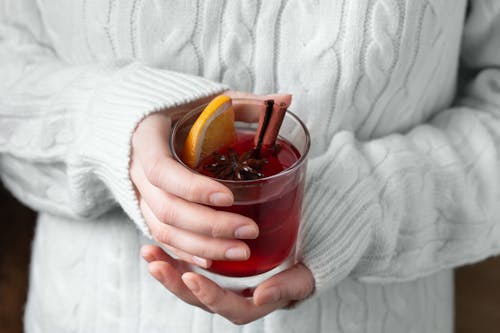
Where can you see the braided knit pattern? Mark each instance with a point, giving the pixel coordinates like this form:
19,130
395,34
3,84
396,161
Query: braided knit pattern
402,184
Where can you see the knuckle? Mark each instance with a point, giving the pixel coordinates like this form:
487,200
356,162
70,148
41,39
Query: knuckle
302,292
154,233
208,252
219,228
217,231
190,190
164,235
166,213
154,170
193,189
212,299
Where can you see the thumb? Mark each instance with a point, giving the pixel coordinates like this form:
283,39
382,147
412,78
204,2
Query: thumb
248,106
294,284
285,99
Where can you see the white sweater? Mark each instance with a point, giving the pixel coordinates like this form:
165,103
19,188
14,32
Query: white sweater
403,182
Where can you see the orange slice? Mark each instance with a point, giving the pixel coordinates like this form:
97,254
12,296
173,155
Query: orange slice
212,130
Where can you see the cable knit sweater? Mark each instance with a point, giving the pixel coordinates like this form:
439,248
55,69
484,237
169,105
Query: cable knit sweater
402,98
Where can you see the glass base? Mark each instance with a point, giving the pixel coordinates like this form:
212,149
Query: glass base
244,286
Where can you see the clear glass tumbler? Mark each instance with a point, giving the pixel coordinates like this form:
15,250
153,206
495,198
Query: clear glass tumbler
273,202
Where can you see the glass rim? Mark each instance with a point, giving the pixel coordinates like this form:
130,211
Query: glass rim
302,159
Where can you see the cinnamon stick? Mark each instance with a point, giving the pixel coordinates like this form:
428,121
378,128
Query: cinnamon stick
269,125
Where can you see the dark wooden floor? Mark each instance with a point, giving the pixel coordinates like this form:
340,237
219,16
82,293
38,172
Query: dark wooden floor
477,286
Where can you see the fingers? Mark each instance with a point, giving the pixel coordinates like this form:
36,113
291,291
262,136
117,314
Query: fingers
191,231
180,213
292,284
247,110
168,272
237,309
154,253
170,278
151,152
285,99
248,106
170,176
192,243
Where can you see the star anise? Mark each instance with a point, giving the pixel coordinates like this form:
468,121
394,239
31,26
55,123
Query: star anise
231,166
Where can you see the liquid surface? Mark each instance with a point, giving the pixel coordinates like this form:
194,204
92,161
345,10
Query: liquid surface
277,159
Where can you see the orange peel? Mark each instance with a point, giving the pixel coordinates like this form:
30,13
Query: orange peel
212,130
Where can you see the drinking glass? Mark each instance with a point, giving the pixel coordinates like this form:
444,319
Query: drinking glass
273,202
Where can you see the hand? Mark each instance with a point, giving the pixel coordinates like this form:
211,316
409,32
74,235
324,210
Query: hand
172,198
279,291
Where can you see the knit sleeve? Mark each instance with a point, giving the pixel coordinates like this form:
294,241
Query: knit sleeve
65,130
407,205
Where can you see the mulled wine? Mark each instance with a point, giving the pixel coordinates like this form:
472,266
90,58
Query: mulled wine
278,218
264,167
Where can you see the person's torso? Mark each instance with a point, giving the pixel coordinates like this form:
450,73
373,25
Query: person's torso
374,67
95,281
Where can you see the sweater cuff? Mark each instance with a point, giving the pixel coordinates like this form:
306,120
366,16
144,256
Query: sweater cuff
340,210
131,94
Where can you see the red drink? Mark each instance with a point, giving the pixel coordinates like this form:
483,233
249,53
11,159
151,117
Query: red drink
270,193
278,218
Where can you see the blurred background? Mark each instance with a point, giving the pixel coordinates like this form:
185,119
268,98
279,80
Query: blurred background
477,299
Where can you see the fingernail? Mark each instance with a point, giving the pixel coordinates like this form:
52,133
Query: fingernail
200,261
271,295
246,232
236,253
191,284
220,199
